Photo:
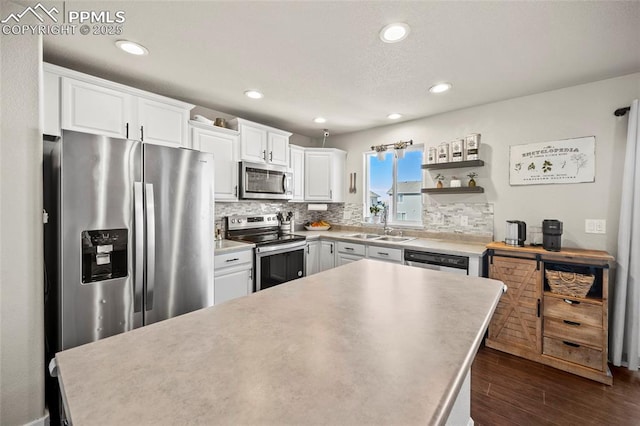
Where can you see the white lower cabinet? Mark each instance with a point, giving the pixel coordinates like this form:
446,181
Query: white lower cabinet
223,143
233,275
349,252
313,257
327,255
386,254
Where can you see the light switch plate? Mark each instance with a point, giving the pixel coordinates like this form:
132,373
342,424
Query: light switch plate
595,226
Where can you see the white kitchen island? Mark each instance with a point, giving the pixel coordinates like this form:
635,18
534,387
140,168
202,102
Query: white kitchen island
365,343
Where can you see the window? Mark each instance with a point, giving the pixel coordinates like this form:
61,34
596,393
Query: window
397,183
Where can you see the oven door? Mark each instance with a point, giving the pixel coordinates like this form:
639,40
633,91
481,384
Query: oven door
279,263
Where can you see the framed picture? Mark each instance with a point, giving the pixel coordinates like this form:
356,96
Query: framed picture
563,161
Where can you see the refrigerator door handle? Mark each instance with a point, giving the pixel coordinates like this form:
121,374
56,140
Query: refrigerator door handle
151,243
138,273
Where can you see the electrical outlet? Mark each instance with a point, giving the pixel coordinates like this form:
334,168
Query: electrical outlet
464,220
601,226
346,215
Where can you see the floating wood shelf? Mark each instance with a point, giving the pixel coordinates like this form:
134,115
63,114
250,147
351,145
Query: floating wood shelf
460,190
454,165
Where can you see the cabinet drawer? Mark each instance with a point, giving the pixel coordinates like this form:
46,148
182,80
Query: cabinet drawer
573,310
573,352
573,331
233,258
385,253
351,248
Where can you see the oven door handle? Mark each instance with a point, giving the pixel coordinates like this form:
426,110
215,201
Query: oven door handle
281,247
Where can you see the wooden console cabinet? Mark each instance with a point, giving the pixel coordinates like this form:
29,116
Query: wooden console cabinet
568,333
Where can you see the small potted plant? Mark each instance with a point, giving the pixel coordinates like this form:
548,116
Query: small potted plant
439,178
375,209
472,182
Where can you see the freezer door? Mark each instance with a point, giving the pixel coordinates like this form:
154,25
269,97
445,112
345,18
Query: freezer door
179,213
97,237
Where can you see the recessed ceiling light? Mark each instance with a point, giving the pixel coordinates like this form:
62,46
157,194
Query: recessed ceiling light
394,33
132,48
319,120
440,87
394,116
253,94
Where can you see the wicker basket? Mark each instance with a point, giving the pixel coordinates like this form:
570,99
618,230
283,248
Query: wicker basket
569,283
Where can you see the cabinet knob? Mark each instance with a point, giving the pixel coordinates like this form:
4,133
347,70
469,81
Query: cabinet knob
270,156
264,154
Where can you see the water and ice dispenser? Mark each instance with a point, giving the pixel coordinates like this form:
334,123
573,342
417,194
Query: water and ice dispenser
104,254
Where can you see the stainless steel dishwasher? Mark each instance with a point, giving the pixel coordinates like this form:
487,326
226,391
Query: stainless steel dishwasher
437,261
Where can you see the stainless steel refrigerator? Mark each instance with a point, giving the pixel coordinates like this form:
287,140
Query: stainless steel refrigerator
130,238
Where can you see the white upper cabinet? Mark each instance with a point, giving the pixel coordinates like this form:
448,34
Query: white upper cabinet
51,101
162,124
223,143
90,108
278,145
296,163
324,174
93,105
253,144
262,144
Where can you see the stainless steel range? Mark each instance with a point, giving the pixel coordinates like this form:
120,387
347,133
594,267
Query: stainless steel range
279,257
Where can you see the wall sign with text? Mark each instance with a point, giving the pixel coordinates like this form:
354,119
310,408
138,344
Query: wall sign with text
564,161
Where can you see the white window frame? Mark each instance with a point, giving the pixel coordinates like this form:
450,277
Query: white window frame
366,190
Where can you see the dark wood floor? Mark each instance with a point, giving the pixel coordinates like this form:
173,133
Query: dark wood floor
508,390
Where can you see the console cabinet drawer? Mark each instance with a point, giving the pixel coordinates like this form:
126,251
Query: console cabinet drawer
385,253
351,248
232,259
573,310
573,352
573,331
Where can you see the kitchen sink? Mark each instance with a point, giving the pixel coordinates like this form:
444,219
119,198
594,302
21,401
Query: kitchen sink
394,239
364,236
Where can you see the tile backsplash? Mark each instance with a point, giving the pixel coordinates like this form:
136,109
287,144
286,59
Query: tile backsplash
451,218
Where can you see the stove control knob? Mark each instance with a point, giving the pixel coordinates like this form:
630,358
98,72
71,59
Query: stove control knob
239,220
233,221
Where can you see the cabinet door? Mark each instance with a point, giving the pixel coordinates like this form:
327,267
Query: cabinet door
313,257
161,124
253,144
94,109
297,165
516,324
231,285
278,149
343,259
327,255
223,148
51,101
317,176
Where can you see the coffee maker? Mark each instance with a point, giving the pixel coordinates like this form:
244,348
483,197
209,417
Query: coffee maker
551,234
516,233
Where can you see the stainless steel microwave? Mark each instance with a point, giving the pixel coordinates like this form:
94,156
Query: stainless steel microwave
265,182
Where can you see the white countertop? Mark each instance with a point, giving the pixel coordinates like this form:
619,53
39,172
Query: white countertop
423,244
228,246
365,343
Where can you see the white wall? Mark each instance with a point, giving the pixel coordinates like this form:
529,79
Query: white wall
583,110
21,289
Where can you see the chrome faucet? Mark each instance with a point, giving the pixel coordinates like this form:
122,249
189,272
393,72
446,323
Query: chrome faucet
385,218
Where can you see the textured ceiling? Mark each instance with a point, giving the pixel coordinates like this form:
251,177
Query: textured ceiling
325,59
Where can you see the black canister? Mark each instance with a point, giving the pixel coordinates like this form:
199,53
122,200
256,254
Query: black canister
551,234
